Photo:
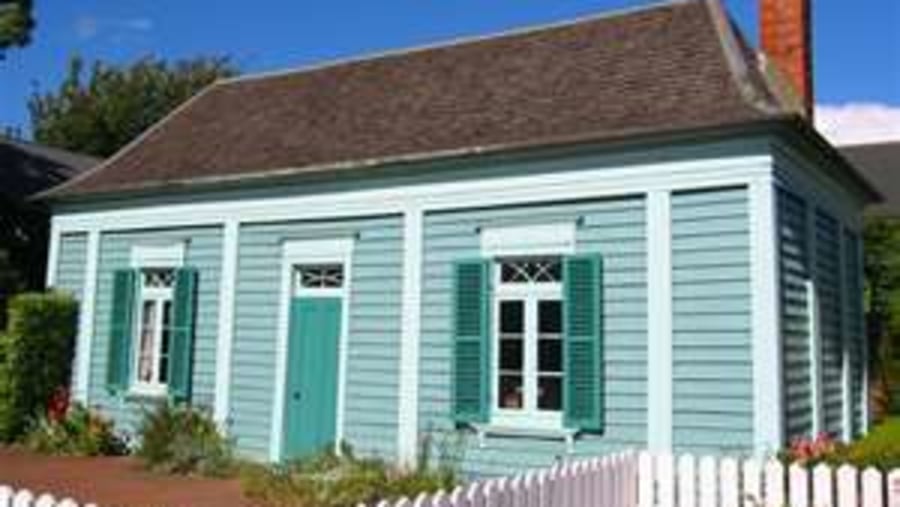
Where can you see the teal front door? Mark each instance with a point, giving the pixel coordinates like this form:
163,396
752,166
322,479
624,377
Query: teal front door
311,391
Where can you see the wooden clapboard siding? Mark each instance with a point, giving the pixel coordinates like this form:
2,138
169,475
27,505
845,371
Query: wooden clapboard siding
203,250
370,421
828,275
794,272
615,228
712,350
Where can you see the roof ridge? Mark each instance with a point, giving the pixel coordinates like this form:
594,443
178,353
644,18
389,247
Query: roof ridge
456,41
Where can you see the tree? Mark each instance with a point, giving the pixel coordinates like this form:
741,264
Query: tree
99,113
16,23
882,270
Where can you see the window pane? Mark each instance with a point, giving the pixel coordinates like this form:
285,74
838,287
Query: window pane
511,354
164,352
550,355
510,392
145,352
512,317
550,393
550,317
329,276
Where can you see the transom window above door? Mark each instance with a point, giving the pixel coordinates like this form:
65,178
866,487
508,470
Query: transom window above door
531,270
320,276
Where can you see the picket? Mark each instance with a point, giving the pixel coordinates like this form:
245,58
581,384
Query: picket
708,482
872,490
729,482
665,480
751,492
847,486
775,490
893,487
799,486
823,486
687,481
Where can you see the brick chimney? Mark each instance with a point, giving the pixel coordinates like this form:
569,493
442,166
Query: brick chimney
785,35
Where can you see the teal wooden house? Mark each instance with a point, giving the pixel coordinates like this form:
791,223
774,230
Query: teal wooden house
619,232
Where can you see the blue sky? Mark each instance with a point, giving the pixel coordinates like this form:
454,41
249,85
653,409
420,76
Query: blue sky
857,44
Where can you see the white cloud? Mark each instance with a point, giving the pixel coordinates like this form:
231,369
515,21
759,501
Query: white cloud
858,122
87,27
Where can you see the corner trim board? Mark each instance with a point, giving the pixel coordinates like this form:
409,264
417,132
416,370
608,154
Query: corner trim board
86,318
659,321
53,254
768,416
224,343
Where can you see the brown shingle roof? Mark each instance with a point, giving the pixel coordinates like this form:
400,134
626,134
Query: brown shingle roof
671,67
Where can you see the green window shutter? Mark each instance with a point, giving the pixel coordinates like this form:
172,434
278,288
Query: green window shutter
471,342
121,330
181,344
583,397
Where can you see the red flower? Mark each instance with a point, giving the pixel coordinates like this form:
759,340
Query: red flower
58,405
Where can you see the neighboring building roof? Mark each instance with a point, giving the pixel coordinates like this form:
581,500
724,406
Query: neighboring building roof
879,164
27,168
674,67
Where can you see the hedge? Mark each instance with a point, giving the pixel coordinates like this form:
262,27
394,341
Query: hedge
36,353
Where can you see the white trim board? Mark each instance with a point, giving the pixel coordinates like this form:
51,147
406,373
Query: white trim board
568,185
225,337
158,256
768,413
337,250
86,319
659,322
408,403
523,240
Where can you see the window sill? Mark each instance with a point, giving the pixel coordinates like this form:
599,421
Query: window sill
563,434
138,394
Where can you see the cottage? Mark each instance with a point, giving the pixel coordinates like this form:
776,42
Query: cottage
617,232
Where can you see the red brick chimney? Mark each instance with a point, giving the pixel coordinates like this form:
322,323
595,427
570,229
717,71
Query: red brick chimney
785,35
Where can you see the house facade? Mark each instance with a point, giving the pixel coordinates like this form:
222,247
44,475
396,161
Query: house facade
528,247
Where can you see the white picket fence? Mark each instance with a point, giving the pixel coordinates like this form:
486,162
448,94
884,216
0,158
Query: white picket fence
677,481
665,480
608,481
10,497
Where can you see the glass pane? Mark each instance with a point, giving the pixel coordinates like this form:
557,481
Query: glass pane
512,315
550,393
159,278
323,276
550,317
510,392
145,352
511,354
550,355
164,352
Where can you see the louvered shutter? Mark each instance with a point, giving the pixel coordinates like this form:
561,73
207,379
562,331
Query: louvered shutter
181,347
582,315
471,342
121,330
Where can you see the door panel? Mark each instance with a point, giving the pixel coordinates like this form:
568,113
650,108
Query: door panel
311,389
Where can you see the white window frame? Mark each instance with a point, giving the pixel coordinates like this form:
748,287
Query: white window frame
548,240
529,416
145,257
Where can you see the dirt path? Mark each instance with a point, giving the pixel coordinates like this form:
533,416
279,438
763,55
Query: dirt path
113,482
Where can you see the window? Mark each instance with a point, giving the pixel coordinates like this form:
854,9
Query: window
528,342
325,276
154,329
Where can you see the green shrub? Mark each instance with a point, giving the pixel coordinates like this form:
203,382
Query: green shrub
78,432
35,357
180,439
880,449
331,480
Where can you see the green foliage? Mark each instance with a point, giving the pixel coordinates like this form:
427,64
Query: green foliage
35,357
16,23
100,113
80,432
179,439
331,480
882,270
880,449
